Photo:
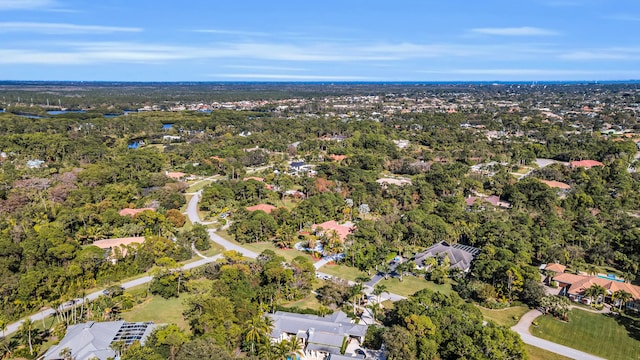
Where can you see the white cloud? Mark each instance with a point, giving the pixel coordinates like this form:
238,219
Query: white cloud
59,28
26,4
614,53
289,77
623,17
515,31
230,32
264,67
521,74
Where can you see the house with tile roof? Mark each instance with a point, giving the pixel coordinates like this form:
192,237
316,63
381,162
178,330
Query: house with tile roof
321,336
327,227
574,286
175,175
133,212
117,248
556,184
587,164
264,207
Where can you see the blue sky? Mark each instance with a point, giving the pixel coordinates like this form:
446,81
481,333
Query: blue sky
328,40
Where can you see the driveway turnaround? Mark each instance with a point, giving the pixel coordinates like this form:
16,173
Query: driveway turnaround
522,328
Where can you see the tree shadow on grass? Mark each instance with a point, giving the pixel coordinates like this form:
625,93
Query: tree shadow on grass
631,323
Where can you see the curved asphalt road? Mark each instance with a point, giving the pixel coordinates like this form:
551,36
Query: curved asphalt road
522,328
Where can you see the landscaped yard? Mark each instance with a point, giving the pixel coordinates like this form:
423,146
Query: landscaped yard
412,284
507,317
309,302
598,334
535,353
288,254
158,310
342,271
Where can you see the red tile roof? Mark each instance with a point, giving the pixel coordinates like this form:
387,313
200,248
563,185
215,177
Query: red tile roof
175,175
118,242
341,230
580,283
556,184
558,268
133,212
264,207
337,157
586,163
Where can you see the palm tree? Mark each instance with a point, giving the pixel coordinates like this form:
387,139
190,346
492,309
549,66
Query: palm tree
257,330
595,291
66,354
378,290
118,347
622,297
295,348
592,269
385,268
7,347
27,333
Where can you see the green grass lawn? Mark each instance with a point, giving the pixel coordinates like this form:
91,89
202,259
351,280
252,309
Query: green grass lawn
507,317
342,271
535,353
412,284
288,254
309,302
598,334
160,311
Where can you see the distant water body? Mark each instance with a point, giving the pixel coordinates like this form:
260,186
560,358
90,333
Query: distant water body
60,112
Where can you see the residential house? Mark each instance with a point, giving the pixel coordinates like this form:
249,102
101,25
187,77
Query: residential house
133,212
574,286
460,256
35,164
550,270
175,175
92,340
258,179
117,248
327,227
587,164
556,185
337,158
384,182
493,200
321,336
264,207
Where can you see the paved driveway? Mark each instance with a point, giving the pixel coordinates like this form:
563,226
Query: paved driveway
522,328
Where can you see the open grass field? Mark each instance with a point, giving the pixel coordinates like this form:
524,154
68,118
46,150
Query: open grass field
342,271
535,353
160,311
606,336
411,284
507,317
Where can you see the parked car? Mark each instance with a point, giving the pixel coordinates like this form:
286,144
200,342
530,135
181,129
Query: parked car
361,352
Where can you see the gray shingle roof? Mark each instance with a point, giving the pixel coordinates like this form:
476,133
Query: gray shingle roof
460,256
337,323
92,339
